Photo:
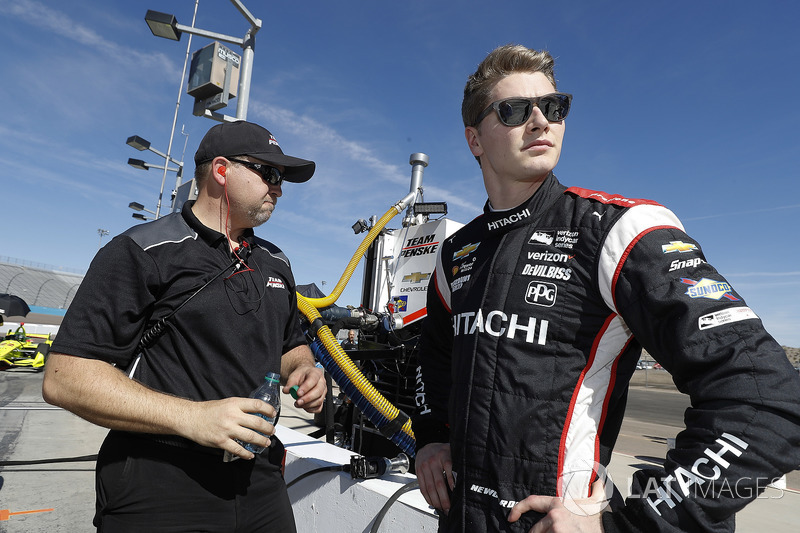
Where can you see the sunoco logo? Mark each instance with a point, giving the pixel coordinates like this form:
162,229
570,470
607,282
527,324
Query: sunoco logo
710,289
541,293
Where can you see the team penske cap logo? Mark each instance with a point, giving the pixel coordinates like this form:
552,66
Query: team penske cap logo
275,283
678,246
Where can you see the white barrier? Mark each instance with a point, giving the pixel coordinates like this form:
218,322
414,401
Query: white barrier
334,501
43,329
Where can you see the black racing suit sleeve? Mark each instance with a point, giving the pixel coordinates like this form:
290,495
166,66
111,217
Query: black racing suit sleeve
430,419
743,427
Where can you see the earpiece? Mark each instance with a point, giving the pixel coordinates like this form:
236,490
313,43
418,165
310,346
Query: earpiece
221,171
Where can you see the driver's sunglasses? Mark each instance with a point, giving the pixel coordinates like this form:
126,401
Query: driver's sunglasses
517,110
269,174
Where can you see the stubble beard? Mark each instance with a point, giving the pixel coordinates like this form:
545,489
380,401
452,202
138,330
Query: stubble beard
260,214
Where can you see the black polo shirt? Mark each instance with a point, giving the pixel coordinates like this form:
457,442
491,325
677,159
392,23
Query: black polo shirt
221,343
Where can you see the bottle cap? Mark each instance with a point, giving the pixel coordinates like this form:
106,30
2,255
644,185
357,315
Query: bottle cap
293,391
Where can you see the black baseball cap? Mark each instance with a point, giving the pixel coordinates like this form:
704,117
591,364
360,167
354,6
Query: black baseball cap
229,139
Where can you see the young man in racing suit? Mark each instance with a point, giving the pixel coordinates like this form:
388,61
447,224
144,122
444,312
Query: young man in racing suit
536,317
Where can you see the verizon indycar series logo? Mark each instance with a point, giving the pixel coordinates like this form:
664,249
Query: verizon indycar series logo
542,237
560,238
709,288
726,316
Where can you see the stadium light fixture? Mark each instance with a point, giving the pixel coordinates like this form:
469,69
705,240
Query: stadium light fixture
136,206
137,142
163,25
430,208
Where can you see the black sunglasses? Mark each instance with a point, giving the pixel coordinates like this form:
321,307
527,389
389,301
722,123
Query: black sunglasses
270,174
517,110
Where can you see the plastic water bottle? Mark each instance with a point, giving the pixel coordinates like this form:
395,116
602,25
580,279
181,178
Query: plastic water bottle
270,392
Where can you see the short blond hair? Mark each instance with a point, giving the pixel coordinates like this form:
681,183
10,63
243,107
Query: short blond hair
501,62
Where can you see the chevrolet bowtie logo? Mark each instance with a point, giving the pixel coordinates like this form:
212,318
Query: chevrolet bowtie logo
416,277
465,251
678,246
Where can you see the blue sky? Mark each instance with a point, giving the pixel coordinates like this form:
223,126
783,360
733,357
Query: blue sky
692,104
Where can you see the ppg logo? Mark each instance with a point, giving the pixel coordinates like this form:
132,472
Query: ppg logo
541,293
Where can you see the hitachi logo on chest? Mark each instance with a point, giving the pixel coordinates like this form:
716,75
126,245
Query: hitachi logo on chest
499,324
516,217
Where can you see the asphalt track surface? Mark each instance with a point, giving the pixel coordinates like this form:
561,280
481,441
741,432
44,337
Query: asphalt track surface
54,490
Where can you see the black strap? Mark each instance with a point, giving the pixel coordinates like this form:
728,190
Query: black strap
150,336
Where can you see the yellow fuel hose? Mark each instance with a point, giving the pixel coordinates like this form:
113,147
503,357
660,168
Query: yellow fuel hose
346,368
351,266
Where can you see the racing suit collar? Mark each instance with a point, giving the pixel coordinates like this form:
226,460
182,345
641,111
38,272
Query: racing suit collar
527,212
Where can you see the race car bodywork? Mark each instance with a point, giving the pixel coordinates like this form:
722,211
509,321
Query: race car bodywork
21,349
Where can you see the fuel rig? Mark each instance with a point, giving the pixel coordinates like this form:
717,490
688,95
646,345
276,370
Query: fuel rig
376,381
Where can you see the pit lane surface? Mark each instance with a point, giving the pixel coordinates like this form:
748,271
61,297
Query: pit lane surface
59,496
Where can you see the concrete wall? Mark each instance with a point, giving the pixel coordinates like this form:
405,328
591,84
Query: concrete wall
29,328
333,501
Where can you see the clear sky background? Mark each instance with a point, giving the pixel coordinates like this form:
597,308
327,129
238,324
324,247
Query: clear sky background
690,103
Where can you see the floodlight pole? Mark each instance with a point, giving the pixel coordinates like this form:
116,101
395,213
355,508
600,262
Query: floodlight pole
247,44
102,232
175,120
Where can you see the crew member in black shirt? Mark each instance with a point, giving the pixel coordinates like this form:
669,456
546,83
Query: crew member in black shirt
175,323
